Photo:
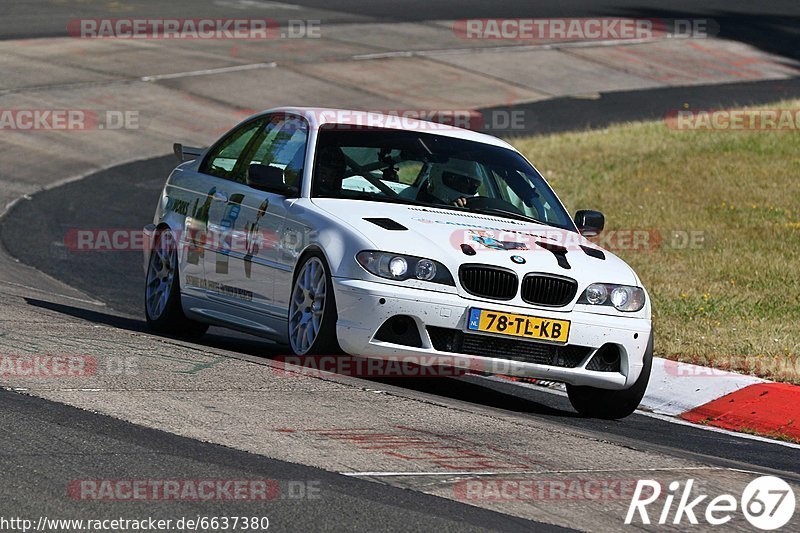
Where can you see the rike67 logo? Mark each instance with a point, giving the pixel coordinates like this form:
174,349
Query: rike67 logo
767,503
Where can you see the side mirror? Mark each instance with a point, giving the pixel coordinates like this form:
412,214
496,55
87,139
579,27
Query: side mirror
269,178
590,223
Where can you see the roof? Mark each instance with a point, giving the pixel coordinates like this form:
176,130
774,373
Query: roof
401,119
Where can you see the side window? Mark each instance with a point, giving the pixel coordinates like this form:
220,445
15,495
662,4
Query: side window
534,207
409,171
222,159
282,144
507,193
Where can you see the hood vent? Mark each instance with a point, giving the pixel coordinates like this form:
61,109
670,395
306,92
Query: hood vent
387,223
559,251
594,252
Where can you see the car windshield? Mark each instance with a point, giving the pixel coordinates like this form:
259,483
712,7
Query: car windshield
401,166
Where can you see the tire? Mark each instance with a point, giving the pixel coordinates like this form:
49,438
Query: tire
162,293
612,404
312,309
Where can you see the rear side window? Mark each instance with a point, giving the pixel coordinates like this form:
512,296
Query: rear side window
281,144
221,161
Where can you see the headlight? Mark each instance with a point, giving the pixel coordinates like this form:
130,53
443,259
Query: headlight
596,294
402,267
398,267
425,270
622,297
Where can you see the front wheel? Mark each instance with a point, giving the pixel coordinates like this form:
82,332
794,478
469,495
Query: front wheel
162,293
612,404
312,309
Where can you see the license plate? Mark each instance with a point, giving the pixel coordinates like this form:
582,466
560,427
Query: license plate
530,327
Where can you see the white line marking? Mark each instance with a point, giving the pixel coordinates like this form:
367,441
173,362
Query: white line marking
208,72
499,49
263,4
399,474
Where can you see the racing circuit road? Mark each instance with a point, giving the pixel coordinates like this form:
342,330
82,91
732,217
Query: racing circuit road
116,279
384,454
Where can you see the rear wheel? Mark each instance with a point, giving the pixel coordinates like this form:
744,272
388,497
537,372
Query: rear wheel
162,293
612,404
312,309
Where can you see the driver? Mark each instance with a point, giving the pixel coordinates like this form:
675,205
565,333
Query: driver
330,171
447,186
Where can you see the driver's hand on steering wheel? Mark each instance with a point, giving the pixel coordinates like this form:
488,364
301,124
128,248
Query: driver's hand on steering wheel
460,202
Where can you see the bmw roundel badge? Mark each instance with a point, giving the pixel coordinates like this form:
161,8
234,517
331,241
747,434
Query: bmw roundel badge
518,259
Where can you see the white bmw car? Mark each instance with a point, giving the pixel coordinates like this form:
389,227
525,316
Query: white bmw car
336,231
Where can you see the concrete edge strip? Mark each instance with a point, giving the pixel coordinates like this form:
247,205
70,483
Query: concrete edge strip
208,72
679,387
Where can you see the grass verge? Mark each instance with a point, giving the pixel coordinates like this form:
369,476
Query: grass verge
717,215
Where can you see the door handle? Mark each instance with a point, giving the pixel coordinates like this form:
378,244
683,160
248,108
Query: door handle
220,197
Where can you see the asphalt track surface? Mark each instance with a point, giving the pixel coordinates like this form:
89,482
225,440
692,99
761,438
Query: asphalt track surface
571,113
34,233
62,444
773,26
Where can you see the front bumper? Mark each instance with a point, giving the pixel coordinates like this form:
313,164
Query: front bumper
363,307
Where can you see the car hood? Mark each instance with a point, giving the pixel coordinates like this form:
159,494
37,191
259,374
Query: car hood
439,234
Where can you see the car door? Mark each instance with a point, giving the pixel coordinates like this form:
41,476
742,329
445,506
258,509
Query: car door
212,185
246,265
